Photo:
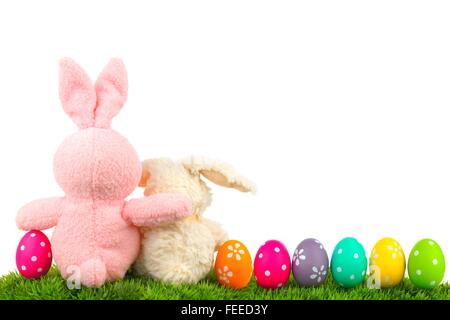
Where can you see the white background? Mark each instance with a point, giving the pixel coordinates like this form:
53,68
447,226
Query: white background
338,110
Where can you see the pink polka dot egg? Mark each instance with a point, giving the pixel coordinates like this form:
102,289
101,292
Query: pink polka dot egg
272,265
34,255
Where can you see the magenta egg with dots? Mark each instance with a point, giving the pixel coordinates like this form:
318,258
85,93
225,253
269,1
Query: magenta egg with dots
34,255
272,265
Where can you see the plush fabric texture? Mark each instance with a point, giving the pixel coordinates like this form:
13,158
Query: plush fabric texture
147,212
96,236
76,93
164,174
97,163
183,251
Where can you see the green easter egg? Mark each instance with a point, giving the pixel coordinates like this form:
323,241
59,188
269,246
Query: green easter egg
426,264
349,263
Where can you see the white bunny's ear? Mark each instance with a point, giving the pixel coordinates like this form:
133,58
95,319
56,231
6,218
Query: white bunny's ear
76,93
112,90
219,173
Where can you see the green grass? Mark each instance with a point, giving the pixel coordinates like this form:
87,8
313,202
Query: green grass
52,286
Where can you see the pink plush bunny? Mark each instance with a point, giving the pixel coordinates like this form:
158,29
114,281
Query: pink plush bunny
96,229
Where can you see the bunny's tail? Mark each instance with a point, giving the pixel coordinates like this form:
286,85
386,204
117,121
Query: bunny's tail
93,273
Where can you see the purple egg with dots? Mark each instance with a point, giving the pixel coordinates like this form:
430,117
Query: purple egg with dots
310,263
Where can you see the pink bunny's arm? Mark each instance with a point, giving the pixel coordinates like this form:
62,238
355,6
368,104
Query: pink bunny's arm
40,214
157,209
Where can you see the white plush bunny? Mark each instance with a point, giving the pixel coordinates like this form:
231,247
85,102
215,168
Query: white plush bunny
183,252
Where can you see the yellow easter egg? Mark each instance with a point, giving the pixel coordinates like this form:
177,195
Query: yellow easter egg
387,263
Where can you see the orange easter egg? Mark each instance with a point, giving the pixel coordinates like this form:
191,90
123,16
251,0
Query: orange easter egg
233,265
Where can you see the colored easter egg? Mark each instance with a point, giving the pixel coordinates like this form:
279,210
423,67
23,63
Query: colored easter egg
310,263
272,265
387,263
233,265
349,263
34,255
426,264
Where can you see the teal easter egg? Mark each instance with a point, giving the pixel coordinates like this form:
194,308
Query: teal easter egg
426,264
349,263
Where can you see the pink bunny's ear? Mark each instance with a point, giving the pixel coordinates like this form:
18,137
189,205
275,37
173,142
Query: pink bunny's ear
77,93
112,89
